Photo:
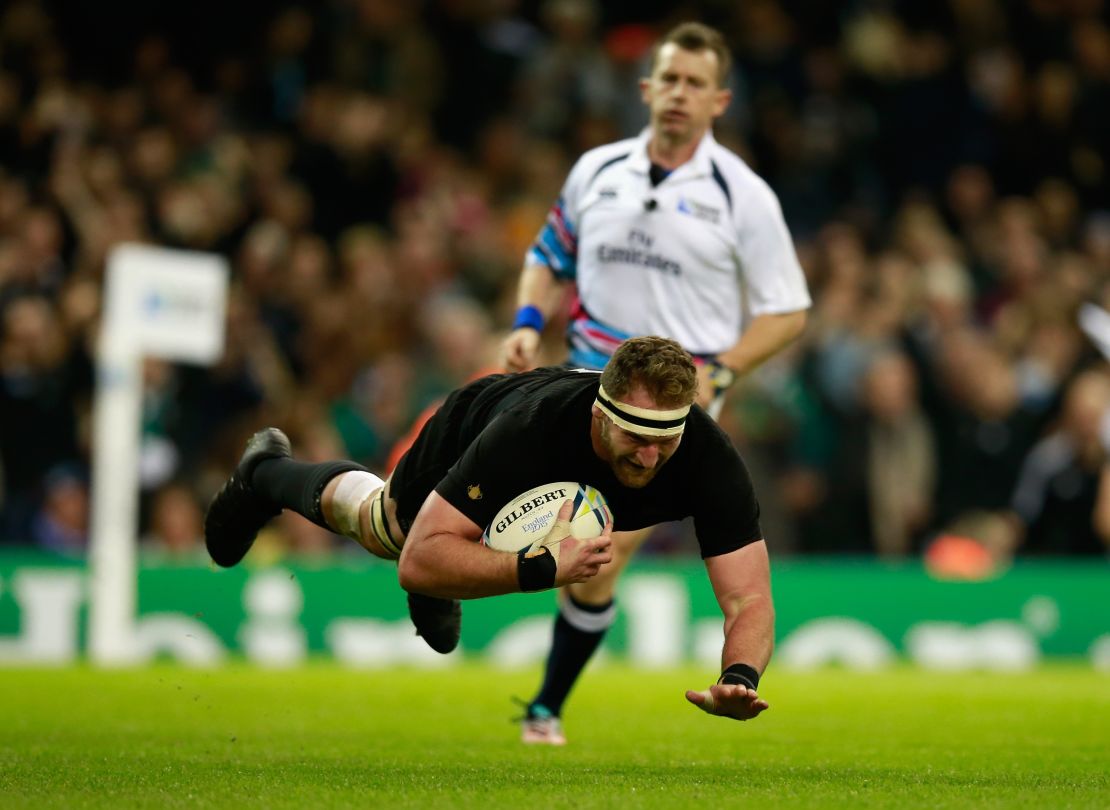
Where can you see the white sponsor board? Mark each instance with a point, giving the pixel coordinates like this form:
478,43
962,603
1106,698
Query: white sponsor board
167,303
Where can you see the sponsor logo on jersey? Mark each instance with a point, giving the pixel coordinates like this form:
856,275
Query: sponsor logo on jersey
474,492
615,254
699,211
607,193
528,506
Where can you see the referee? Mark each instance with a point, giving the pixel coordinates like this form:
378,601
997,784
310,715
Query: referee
671,234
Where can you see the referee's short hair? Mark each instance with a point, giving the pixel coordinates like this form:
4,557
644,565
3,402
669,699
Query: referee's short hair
696,36
660,365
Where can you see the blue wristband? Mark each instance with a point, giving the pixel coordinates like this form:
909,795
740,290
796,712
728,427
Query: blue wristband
528,317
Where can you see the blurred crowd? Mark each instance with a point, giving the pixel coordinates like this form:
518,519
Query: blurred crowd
374,172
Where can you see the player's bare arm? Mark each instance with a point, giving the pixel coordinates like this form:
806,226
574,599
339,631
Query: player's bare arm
443,557
541,291
741,582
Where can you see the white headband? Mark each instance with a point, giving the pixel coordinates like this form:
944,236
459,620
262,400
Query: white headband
642,421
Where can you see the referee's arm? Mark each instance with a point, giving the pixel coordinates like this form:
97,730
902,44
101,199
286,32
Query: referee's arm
538,298
765,337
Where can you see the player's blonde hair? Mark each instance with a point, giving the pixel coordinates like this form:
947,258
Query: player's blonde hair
695,36
660,365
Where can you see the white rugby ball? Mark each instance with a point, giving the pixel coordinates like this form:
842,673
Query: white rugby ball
529,516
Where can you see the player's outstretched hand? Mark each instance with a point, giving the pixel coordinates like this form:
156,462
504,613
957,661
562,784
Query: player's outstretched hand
579,560
728,700
518,352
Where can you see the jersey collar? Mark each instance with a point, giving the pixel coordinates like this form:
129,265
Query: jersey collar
700,165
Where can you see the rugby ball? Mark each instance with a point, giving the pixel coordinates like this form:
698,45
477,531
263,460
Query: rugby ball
529,516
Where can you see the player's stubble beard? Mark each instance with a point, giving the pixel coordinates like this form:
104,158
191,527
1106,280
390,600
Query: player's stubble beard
623,463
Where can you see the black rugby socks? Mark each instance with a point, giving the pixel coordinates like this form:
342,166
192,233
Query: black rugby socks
571,650
298,485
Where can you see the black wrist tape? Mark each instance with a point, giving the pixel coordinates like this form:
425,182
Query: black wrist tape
535,570
740,673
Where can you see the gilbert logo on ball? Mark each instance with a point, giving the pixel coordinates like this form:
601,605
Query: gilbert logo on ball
530,516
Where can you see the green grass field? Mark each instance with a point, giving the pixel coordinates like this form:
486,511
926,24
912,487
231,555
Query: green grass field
321,736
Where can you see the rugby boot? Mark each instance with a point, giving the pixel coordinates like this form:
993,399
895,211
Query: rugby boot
437,621
238,512
540,727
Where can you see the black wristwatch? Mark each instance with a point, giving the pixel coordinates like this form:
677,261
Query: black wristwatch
721,376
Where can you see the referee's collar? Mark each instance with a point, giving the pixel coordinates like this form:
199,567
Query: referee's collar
701,163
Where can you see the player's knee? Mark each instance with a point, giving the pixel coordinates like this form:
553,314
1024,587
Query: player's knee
597,590
347,498
625,544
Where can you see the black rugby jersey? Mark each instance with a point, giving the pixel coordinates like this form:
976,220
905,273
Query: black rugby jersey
505,434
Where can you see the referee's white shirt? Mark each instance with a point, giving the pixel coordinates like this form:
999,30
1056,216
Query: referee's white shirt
691,258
